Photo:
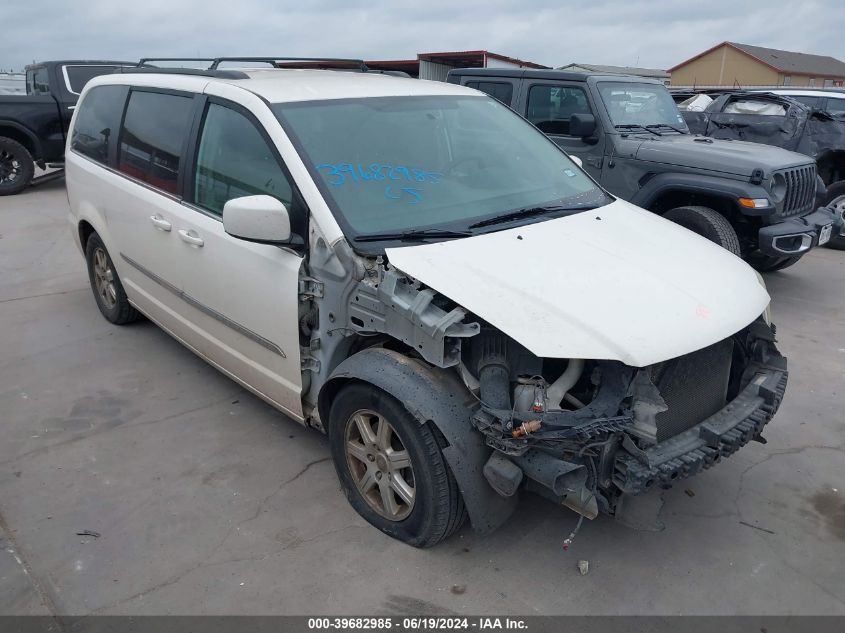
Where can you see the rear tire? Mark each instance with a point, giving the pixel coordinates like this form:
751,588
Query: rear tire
707,223
370,463
836,199
105,284
16,167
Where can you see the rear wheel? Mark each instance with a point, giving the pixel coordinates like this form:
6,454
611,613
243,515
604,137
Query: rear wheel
836,200
108,291
16,167
707,223
391,467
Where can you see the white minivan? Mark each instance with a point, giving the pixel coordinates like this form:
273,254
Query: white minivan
415,270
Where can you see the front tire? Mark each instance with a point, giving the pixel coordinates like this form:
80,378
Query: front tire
16,167
391,467
105,284
836,199
707,223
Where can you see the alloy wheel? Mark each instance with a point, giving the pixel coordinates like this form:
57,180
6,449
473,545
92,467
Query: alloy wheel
104,279
380,465
10,167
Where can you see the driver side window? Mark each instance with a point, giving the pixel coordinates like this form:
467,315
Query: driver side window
235,160
551,107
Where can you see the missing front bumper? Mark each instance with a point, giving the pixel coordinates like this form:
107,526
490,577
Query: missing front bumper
720,435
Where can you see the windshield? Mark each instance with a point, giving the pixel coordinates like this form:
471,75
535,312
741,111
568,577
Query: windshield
640,105
393,164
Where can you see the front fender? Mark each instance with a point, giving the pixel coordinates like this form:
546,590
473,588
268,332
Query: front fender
431,395
695,183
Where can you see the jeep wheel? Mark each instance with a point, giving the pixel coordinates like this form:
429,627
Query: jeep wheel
769,264
16,167
391,468
707,223
105,284
836,200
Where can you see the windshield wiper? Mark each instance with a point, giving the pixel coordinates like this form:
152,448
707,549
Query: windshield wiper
671,127
636,126
412,235
528,212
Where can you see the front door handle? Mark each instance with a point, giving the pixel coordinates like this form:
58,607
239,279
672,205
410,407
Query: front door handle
160,223
190,237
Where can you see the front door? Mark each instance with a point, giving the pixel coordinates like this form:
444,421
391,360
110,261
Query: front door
241,298
550,107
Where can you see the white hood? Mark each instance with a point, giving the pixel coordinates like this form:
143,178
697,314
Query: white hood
617,283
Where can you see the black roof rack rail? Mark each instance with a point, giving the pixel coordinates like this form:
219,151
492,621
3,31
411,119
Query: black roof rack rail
152,61
275,61
217,74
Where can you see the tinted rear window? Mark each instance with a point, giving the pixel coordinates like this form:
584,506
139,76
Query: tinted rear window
78,76
153,134
498,90
98,118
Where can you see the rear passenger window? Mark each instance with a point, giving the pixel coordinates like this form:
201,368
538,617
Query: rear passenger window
152,137
550,107
234,160
78,76
836,107
502,91
98,118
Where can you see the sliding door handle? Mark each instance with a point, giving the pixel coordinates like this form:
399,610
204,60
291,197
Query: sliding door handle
160,223
190,237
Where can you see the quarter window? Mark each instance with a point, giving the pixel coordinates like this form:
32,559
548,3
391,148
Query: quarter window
836,107
151,140
234,160
502,91
97,119
551,107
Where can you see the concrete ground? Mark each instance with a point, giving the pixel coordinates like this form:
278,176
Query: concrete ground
207,501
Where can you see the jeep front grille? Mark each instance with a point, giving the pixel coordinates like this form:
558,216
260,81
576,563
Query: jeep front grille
694,387
800,190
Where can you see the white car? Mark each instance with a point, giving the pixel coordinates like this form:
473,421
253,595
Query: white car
831,101
414,269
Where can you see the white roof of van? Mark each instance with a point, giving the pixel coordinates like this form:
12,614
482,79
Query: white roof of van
798,92
290,85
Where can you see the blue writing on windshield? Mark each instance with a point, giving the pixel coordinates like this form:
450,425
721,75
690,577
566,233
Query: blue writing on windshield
339,174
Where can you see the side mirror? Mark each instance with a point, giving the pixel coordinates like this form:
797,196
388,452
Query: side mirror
260,219
577,160
582,125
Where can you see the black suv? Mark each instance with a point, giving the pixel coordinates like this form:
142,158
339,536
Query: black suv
33,127
759,202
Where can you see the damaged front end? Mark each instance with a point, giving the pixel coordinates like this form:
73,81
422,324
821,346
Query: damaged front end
588,433
582,432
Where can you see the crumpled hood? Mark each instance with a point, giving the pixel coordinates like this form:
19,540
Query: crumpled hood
734,157
616,283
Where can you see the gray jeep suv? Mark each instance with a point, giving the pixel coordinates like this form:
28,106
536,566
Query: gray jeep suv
759,202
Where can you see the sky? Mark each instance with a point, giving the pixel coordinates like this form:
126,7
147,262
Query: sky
647,33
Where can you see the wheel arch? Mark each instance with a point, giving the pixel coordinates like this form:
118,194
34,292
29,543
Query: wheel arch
24,136
666,191
84,229
436,396
831,166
